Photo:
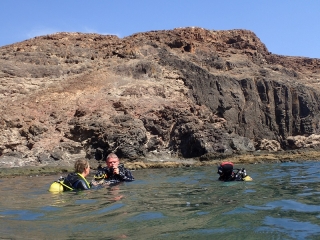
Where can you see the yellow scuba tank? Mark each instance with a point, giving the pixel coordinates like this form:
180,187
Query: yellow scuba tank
59,186
56,187
247,178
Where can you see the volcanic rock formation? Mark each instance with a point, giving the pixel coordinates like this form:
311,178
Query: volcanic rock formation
185,93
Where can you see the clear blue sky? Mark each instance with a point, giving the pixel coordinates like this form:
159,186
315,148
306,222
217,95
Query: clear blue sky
286,27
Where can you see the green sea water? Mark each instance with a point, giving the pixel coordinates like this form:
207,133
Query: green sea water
282,202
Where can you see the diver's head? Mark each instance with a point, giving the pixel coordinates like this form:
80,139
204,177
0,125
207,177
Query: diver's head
82,166
112,161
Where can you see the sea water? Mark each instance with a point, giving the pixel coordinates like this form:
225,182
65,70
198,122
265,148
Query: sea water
282,202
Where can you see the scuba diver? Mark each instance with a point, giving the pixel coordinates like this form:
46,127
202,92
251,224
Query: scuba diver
227,173
74,181
114,172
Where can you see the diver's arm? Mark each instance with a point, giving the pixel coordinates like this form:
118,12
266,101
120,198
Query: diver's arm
126,175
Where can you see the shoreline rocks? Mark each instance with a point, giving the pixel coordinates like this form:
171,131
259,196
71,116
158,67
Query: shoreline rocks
247,158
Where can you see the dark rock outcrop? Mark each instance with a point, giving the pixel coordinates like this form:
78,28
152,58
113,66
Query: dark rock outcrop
186,92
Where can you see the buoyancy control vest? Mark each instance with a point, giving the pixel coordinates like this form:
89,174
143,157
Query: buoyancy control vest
74,181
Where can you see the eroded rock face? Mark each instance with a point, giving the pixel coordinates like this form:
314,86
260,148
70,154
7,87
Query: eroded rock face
297,142
186,92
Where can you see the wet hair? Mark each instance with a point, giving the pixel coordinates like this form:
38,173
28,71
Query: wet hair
111,155
80,165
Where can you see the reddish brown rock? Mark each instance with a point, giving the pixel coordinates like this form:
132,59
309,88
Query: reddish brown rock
186,92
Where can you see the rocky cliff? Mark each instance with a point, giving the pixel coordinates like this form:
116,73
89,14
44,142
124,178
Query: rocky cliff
185,93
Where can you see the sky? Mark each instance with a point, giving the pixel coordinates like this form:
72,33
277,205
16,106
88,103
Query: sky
286,27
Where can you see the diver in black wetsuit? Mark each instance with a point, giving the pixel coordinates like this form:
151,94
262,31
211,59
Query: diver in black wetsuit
227,173
114,172
77,180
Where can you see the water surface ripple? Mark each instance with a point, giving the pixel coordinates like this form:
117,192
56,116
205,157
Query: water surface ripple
179,203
